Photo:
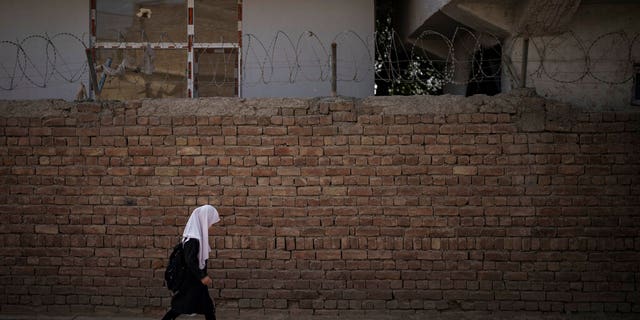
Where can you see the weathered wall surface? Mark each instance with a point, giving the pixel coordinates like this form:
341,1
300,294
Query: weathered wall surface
41,56
331,207
592,65
286,47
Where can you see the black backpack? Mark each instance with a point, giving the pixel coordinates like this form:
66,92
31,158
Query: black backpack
175,272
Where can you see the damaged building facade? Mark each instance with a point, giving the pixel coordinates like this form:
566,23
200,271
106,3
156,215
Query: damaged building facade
584,52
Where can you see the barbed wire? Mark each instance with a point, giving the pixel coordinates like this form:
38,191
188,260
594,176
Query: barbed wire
283,53
140,73
41,59
44,60
217,71
565,58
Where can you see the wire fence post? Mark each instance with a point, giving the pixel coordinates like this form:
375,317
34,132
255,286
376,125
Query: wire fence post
334,69
525,62
93,77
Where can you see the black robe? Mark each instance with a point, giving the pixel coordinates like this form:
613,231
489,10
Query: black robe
193,296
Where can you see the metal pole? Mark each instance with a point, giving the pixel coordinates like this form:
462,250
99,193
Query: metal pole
239,62
334,70
525,62
93,78
91,56
191,90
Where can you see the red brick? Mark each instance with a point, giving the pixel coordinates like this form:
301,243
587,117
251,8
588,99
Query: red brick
465,170
166,171
437,149
47,229
452,129
118,171
361,150
328,254
309,191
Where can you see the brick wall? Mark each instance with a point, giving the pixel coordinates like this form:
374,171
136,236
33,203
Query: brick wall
328,206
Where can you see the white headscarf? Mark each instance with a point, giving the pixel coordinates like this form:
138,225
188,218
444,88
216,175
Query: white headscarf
198,228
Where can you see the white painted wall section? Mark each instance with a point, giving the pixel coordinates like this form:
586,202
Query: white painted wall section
49,62
287,45
591,66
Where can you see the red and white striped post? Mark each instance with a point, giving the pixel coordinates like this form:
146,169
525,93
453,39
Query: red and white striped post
239,62
93,26
191,68
92,42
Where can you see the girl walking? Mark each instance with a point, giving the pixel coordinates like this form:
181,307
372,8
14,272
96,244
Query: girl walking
193,294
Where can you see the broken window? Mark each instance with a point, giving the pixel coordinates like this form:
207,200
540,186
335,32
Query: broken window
164,48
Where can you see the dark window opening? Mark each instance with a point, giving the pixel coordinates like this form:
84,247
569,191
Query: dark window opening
402,67
485,72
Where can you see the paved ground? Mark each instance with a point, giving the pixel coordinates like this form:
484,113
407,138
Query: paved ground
357,315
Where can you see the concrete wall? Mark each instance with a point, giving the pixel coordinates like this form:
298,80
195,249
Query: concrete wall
415,12
281,58
397,206
44,69
592,66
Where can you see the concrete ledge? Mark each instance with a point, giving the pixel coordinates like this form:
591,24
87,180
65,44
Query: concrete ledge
302,314
521,101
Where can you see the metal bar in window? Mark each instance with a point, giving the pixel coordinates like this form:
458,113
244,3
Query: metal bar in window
140,45
91,54
163,45
215,45
94,26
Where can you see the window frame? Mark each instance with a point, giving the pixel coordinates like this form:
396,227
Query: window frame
191,47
